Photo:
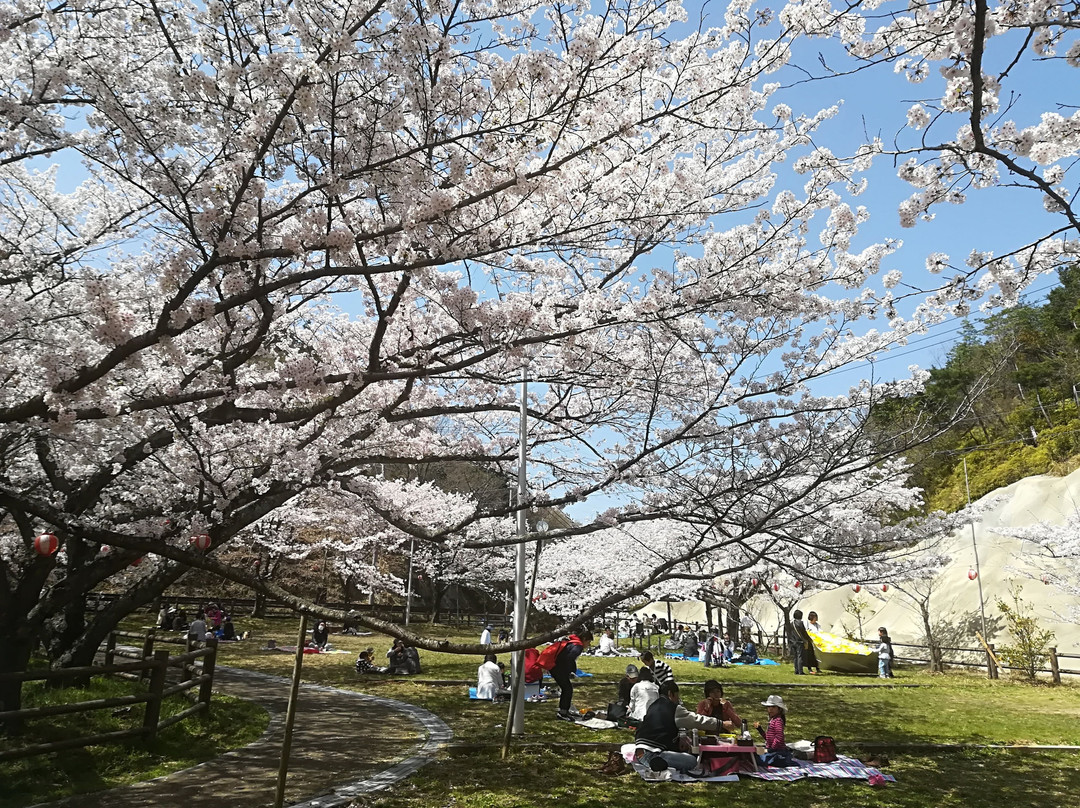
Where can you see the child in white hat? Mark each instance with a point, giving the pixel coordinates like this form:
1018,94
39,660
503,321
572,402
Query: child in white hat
776,751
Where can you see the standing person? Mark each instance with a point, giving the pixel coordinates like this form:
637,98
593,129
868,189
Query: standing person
884,654
504,634
639,629
798,641
812,627
710,652
714,704
661,671
565,665
777,752
485,636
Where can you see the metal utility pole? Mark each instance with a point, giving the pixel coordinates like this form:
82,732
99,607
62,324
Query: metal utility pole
974,546
521,603
408,593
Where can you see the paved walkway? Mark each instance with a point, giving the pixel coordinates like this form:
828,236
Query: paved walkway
344,744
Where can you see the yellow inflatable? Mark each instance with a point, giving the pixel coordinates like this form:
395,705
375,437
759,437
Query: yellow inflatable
835,653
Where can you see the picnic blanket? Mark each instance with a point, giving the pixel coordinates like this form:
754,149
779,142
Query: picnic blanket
597,724
673,776
843,768
291,649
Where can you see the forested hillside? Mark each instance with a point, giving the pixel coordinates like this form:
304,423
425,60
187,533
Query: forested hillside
1015,380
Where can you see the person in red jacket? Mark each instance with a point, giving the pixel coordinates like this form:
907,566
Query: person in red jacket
565,666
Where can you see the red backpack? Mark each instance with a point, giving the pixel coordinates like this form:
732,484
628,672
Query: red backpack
551,653
824,749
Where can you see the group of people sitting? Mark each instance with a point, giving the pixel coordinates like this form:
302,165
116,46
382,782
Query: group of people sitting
210,622
401,659
659,745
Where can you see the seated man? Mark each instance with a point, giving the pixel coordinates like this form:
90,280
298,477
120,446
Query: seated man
657,738
489,681
749,653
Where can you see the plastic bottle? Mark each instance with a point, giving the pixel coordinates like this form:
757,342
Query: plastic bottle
695,744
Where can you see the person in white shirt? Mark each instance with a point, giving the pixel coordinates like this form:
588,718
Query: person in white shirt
485,636
489,681
607,644
642,695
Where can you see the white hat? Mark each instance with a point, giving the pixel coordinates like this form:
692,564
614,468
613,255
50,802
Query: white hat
774,701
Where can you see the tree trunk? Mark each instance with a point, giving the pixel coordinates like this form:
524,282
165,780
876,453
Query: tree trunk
936,665
14,658
259,609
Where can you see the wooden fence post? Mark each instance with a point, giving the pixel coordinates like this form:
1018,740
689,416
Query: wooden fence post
991,663
110,648
147,649
187,667
209,661
1055,671
157,685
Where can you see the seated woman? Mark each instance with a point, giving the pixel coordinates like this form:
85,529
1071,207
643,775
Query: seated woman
642,695
320,636
398,659
489,681
607,644
714,704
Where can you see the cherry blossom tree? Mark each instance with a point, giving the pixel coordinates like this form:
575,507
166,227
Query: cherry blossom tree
193,195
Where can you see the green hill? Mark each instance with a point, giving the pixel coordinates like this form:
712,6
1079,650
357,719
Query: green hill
1013,385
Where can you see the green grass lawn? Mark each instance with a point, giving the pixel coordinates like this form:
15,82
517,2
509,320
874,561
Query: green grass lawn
953,708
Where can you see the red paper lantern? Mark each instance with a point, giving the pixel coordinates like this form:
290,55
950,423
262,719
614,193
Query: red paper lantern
972,574
46,544
201,542
753,582
776,587
884,587
856,588
798,584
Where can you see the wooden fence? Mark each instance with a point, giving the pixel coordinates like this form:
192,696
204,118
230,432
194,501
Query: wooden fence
150,664
982,658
